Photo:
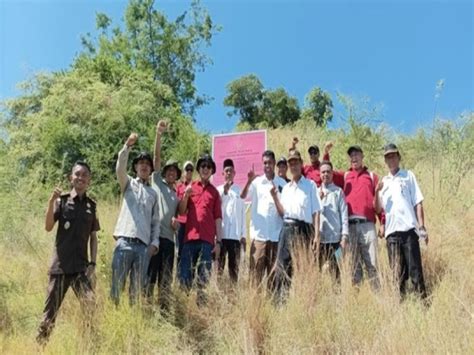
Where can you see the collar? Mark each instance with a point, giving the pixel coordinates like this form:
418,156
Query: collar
300,181
364,169
397,173
73,194
316,165
141,181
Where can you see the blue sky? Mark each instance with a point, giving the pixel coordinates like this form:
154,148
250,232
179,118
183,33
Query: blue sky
391,51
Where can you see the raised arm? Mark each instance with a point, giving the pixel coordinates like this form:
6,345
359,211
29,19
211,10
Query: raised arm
278,205
183,204
53,205
160,129
250,178
121,167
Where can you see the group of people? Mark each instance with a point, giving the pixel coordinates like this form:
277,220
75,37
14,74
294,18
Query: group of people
318,210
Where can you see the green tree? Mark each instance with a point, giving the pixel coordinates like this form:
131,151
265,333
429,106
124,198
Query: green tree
279,108
170,50
318,107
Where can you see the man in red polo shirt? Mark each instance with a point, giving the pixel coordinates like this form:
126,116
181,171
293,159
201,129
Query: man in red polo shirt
311,171
359,188
203,234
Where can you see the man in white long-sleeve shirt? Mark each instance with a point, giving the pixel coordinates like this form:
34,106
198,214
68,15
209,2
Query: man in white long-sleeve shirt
334,221
233,222
138,226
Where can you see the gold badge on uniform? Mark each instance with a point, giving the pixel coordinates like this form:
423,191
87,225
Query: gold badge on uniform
67,225
88,205
88,211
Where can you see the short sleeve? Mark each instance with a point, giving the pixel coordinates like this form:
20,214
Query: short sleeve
415,192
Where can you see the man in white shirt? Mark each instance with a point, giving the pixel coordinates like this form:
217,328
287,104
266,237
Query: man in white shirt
265,222
233,222
299,206
334,224
400,197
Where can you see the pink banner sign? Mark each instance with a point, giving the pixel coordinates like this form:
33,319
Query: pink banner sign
244,148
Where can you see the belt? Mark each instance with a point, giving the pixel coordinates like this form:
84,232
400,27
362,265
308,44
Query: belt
357,220
133,240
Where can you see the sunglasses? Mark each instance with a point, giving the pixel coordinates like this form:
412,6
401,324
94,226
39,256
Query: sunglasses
206,166
313,152
189,170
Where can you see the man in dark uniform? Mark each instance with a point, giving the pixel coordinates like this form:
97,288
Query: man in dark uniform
77,221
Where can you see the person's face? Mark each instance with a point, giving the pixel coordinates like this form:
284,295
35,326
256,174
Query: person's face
80,178
229,174
171,175
313,156
188,173
295,167
326,174
356,159
282,169
205,171
392,160
268,165
143,169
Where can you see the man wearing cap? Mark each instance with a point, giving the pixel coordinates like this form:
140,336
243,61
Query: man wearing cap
188,169
161,264
282,167
311,171
138,226
233,222
265,222
334,224
76,214
203,235
400,197
299,206
359,188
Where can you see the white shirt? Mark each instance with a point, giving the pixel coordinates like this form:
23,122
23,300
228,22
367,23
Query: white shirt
233,213
398,197
265,222
300,200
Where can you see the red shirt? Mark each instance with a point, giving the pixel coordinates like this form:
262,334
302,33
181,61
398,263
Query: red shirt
204,207
360,191
311,171
180,192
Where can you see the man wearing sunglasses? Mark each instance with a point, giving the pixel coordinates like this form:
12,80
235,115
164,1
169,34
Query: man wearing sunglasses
203,234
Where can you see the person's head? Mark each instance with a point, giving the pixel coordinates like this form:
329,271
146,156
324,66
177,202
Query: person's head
80,177
326,171
206,167
356,157
268,160
228,170
188,168
282,166
392,156
171,172
295,163
142,165
313,152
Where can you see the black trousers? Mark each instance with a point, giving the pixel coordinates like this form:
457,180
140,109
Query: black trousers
405,260
231,251
57,288
161,269
327,253
295,235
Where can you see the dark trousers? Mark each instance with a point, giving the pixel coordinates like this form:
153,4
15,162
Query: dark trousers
231,251
293,236
196,258
161,269
57,288
327,254
405,260
180,243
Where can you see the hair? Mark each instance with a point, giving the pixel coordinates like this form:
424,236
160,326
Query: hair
268,154
83,164
326,162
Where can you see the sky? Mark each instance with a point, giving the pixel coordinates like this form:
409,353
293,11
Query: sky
393,52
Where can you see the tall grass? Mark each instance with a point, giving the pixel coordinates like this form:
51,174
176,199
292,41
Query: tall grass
318,316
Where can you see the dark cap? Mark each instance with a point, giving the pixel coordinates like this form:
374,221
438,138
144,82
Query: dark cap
228,163
294,155
313,148
282,160
171,164
208,159
390,148
142,156
354,148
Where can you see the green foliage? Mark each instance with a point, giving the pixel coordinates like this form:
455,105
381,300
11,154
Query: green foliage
318,107
168,50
